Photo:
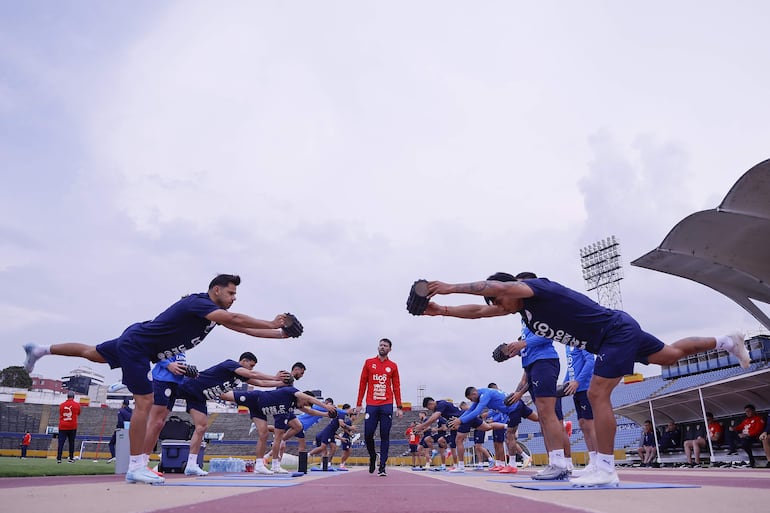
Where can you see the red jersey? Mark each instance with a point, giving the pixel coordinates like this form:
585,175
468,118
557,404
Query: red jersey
751,426
68,414
27,439
413,437
715,431
380,381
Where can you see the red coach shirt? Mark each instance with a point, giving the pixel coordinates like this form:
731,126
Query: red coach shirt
380,381
68,414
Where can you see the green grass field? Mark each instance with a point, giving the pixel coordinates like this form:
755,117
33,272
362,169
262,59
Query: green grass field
15,467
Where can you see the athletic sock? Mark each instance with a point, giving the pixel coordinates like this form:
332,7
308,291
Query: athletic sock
724,343
605,462
192,460
556,458
146,460
135,462
592,457
41,350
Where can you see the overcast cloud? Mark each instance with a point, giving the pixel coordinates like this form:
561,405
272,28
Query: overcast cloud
333,152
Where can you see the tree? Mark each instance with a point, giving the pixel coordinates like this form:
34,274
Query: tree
15,377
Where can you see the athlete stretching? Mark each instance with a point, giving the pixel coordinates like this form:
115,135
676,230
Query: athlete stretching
381,384
568,317
182,326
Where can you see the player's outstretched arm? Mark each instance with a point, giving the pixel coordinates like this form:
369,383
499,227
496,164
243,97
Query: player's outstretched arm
464,311
239,322
262,333
486,288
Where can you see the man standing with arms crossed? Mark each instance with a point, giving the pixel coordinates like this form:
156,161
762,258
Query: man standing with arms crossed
381,383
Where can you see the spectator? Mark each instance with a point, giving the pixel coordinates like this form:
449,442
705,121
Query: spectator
647,450
671,438
25,441
715,429
764,437
695,440
124,417
69,411
746,433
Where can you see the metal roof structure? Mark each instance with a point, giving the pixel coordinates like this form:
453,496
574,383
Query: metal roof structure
727,248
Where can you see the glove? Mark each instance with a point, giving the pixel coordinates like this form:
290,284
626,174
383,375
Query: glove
292,327
333,413
417,301
499,355
191,371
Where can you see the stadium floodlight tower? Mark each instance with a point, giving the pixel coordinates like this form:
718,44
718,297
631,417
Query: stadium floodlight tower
603,270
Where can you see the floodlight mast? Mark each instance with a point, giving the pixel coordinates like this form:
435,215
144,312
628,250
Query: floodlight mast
603,270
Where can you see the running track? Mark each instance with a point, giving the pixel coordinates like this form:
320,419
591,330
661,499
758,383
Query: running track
403,491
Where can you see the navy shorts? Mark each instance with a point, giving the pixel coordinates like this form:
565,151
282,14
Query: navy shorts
479,436
465,427
426,435
498,435
514,417
542,377
624,343
582,406
413,448
195,401
281,420
120,353
451,439
164,393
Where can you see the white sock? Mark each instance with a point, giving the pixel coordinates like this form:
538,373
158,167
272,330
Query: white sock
725,343
569,463
135,462
276,463
556,458
605,462
192,460
260,462
41,350
592,458
146,460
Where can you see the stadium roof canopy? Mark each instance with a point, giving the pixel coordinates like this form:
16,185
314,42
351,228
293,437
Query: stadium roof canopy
726,249
723,398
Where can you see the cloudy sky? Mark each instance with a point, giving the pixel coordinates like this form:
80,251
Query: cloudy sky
333,152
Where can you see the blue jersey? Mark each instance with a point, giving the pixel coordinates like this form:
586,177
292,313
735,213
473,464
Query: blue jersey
565,316
181,327
447,409
308,420
262,403
580,367
160,371
488,398
212,382
537,348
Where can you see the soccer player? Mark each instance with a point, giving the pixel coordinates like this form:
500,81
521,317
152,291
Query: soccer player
283,422
182,326
167,375
569,317
325,439
208,386
580,368
262,403
381,384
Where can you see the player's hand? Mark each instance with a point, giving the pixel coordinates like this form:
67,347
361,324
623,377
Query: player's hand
454,423
434,309
762,436
176,368
438,287
571,387
284,376
279,321
399,412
